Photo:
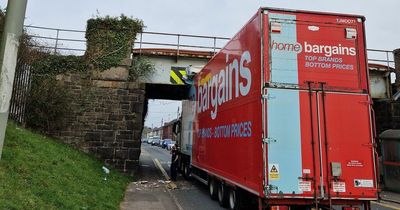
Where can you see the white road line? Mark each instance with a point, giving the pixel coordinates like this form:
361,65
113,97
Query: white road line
158,164
386,205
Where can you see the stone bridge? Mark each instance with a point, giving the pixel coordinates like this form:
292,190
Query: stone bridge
111,124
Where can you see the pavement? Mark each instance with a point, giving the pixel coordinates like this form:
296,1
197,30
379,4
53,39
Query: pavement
150,191
388,200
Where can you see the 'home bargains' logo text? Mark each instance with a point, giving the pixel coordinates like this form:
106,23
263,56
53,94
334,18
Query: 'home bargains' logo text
327,50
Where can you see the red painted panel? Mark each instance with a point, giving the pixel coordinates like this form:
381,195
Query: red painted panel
349,142
328,55
324,52
227,138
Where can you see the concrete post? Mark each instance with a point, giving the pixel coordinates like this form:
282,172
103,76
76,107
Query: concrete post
396,54
14,22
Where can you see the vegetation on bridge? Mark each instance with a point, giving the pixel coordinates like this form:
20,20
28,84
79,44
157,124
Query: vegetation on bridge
109,42
39,173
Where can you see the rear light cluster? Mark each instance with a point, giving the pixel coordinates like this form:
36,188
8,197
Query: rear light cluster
279,208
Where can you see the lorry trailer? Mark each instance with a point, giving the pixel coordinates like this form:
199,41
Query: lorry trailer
282,115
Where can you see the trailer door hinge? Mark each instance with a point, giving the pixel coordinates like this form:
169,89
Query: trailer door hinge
269,140
268,96
269,188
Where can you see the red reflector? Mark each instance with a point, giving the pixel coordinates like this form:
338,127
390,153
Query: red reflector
351,208
279,208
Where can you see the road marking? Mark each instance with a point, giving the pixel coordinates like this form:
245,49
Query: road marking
158,164
385,205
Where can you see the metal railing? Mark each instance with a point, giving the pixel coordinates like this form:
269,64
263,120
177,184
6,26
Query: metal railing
57,39
211,43
67,41
383,57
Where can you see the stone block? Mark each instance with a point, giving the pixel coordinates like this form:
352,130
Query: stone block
126,132
92,136
114,74
122,92
130,125
133,153
121,154
105,152
129,144
125,106
103,127
137,108
114,144
105,133
123,137
131,165
115,117
95,144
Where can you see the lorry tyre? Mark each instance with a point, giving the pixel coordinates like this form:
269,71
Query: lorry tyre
212,188
186,171
222,195
234,201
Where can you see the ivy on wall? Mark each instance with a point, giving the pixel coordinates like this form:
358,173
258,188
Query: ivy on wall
49,64
109,40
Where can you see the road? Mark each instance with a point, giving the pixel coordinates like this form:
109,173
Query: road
149,191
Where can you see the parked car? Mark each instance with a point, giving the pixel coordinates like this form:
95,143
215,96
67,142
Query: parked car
149,140
155,142
165,143
169,146
161,142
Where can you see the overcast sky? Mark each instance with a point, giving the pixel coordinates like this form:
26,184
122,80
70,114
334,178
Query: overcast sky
212,17
209,17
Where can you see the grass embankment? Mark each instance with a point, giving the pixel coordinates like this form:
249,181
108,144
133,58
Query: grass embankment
40,173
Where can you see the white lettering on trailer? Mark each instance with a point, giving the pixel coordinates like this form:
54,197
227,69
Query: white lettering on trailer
327,50
339,187
305,186
345,21
214,90
234,130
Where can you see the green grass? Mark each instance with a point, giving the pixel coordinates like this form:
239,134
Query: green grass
40,173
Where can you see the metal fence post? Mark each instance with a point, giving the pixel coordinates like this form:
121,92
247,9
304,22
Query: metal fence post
140,44
177,52
215,44
55,47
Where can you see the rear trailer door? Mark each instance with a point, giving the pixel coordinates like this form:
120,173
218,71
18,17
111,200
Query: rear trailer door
291,159
319,144
347,141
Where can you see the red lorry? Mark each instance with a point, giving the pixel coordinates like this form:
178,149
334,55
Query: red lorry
282,115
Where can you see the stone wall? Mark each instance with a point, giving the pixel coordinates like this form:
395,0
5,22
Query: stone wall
387,115
106,118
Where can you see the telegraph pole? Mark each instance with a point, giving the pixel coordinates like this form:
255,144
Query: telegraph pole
14,22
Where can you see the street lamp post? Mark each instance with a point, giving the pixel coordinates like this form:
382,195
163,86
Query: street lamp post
12,32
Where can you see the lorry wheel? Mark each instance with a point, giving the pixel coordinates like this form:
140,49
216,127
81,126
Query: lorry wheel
212,188
186,171
234,200
222,195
